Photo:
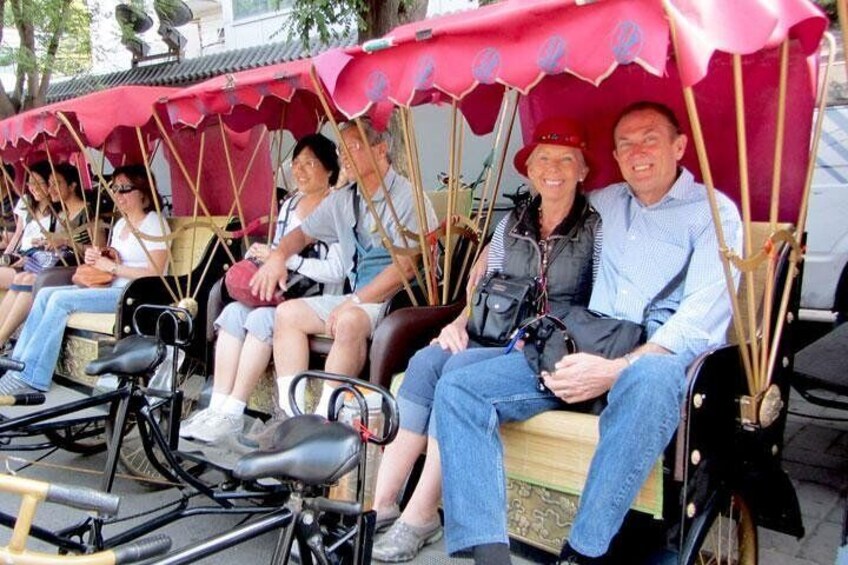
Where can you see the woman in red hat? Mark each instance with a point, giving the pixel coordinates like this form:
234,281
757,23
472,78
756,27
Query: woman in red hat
555,239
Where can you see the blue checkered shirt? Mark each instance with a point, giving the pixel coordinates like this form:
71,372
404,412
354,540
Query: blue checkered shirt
647,247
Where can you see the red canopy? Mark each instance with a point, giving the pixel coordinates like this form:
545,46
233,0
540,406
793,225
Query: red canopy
588,60
106,119
249,98
517,43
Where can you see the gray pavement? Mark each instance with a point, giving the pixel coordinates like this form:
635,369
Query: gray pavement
816,458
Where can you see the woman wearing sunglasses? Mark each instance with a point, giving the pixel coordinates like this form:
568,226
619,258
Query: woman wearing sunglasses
139,253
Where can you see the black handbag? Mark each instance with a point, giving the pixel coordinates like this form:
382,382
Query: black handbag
546,341
602,335
499,305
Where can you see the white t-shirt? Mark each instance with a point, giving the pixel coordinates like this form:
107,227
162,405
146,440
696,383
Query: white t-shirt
32,230
130,249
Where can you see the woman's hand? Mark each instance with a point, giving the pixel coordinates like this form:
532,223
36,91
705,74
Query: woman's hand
57,243
92,254
454,336
259,251
105,264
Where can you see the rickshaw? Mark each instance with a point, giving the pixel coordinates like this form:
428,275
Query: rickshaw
744,79
750,64
90,131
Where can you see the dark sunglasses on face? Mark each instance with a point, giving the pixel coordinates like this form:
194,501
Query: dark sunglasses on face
123,188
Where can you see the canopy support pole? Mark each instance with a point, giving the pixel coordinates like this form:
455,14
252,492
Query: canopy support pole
795,255
142,147
745,196
189,181
231,172
703,160
768,295
410,143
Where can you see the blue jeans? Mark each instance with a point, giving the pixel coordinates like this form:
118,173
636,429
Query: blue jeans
415,396
41,336
472,403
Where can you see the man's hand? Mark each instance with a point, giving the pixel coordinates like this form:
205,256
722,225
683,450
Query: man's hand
333,318
270,276
453,336
582,376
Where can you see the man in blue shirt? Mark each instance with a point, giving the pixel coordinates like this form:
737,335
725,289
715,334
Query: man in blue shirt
660,266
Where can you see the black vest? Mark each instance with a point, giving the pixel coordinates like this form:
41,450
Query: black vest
570,251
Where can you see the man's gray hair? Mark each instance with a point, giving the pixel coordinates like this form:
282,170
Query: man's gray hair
371,134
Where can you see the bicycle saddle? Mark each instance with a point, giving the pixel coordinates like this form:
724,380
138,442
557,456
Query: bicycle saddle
307,448
133,355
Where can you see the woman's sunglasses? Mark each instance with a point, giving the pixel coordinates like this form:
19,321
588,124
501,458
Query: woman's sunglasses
123,188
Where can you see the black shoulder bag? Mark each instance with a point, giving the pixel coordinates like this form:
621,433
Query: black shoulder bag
548,338
499,305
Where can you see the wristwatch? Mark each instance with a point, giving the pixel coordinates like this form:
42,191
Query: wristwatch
355,298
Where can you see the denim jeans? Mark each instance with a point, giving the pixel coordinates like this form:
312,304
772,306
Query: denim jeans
471,403
42,333
415,396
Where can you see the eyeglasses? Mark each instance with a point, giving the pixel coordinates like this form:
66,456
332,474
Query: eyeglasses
305,163
123,188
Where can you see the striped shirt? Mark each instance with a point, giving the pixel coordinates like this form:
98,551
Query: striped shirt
673,241
497,251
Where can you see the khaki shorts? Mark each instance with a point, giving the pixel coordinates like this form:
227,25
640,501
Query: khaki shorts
323,305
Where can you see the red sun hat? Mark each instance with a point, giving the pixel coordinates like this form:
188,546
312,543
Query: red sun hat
552,131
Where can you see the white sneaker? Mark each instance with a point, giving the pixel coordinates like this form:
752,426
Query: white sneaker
217,426
188,425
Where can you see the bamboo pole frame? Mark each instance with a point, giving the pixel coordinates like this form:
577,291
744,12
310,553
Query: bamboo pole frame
62,118
704,162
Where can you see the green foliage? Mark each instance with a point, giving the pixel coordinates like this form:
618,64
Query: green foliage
829,7
53,37
325,19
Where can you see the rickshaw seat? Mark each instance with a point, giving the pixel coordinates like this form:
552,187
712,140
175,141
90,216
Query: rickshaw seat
88,335
547,457
133,356
307,448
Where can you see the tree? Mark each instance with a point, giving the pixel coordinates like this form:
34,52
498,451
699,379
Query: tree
53,37
335,18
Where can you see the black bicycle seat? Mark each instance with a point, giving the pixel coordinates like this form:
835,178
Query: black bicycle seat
133,355
308,448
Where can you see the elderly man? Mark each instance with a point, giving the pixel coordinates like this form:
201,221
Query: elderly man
344,217
660,266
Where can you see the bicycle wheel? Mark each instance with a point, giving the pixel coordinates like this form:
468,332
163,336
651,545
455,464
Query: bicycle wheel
731,535
86,439
132,456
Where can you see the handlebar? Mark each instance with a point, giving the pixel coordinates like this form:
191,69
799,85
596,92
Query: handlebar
23,399
354,387
9,364
178,318
142,549
83,499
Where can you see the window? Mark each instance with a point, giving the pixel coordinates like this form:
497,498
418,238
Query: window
249,8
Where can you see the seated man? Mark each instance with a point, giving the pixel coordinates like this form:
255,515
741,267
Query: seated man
344,217
660,266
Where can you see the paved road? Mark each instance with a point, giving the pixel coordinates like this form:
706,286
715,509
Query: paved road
816,458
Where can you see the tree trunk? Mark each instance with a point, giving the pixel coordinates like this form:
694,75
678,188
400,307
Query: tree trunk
382,17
